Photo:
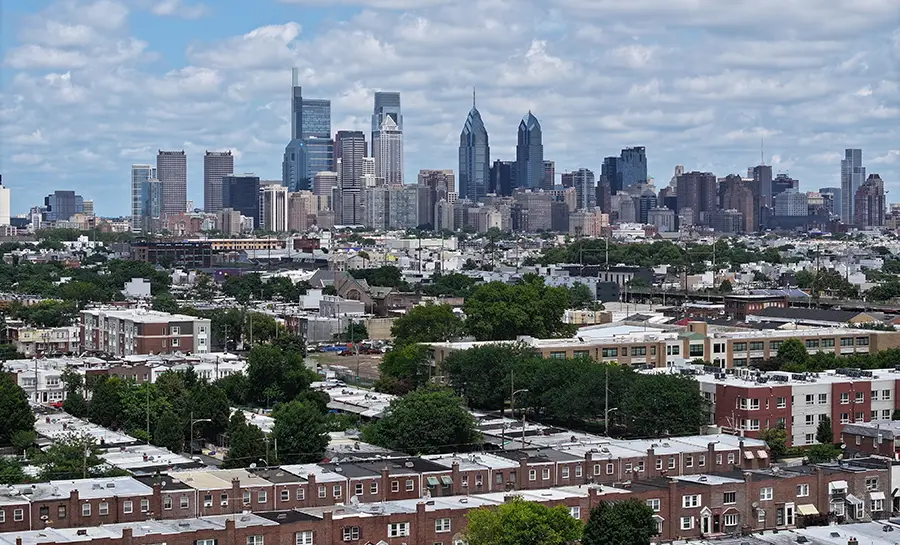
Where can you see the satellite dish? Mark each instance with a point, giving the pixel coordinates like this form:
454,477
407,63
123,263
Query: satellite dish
253,465
354,500
755,505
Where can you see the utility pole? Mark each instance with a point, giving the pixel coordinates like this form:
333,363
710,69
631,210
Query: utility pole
606,401
148,412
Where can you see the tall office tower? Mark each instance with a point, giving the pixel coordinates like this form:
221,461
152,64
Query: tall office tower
868,205
352,146
502,179
610,171
273,208
673,181
633,166
697,193
311,149
853,174
387,151
567,179
151,205
530,153
216,165
783,182
87,208
737,195
549,179
301,211
139,175
403,207
62,205
171,169
241,194
474,157
585,189
387,137
832,204
434,186
604,195
791,202
646,201
324,185
762,178
4,203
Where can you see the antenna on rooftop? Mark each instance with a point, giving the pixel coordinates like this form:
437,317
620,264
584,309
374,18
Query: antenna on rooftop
762,154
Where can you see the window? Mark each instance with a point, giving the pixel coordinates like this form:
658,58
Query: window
205,542
578,471
765,493
810,419
752,424
336,491
812,343
845,398
671,462
640,466
729,497
690,500
103,509
207,500
167,503
638,351
862,341
696,350
610,352
411,485
185,502
689,461
718,459
653,504
175,342
373,487
874,415
575,512
659,463
860,397
886,395
304,538
802,490
874,395
756,345
350,533
687,523
18,515
301,493
872,483
761,515
810,399
61,512
400,529
823,399
740,347
775,345
247,497
886,414
359,489
780,402
750,404
128,508
609,469
558,355
322,491
565,472
860,417
395,486
876,505
545,474
809,438
86,510
828,343
532,474
255,540
285,495
441,525
845,418
627,467
731,519
223,500
262,496
846,341
145,506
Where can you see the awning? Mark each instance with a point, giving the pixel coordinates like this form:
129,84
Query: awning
853,500
748,454
762,455
807,509
837,485
446,480
876,495
894,493
432,481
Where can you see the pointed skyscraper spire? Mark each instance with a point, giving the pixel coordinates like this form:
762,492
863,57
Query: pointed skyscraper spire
473,96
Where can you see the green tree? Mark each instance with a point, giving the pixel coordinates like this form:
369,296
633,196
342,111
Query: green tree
300,433
165,302
15,410
290,343
628,522
483,375
725,286
106,402
75,403
169,432
793,353
824,433
664,405
499,311
581,296
70,457
519,522
821,454
246,443
210,401
776,440
427,323
403,369
426,421
274,376
11,471
355,332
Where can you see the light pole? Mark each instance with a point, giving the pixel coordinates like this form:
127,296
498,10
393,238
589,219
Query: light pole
512,409
191,444
606,414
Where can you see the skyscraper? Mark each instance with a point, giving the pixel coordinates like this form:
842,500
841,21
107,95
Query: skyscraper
632,165
311,149
474,157
216,165
868,206
853,174
171,169
140,174
502,178
62,205
610,171
273,208
585,189
834,203
549,179
151,205
241,194
351,145
530,153
387,137
697,194
762,178
4,203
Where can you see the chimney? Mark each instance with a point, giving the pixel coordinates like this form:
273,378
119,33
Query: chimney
236,503
651,464
711,457
126,535
385,482
455,477
312,492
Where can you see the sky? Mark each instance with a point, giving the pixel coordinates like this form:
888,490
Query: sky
88,87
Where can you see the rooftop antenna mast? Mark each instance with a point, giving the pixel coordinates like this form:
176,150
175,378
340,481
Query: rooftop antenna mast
762,154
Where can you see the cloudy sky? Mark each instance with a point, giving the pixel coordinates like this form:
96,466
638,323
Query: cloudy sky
89,87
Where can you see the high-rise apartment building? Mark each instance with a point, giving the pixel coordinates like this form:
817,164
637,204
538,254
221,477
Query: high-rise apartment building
853,174
140,174
549,179
324,184
273,208
832,199
241,194
868,205
301,211
474,157
791,202
216,165
530,153
311,149
351,145
585,189
697,193
737,195
62,205
171,169
783,182
151,205
434,186
632,166
762,177
4,203
387,137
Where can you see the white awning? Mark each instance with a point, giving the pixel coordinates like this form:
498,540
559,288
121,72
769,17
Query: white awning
853,500
807,509
762,455
876,495
748,454
837,485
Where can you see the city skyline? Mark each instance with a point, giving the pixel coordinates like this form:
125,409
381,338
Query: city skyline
809,96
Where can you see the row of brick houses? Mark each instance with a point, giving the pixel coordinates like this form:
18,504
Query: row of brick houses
685,507
140,331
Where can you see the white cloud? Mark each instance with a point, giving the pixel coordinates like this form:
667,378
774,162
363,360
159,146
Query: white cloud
890,158
178,8
27,158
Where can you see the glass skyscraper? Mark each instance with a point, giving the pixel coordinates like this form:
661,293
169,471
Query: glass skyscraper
633,166
853,174
474,157
530,153
311,149
387,137
140,174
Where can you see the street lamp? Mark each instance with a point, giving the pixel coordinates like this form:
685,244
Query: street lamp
512,409
194,421
606,418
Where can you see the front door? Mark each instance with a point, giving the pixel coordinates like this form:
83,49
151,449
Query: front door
789,514
717,527
705,524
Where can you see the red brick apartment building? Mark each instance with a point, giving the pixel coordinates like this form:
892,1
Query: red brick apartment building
140,331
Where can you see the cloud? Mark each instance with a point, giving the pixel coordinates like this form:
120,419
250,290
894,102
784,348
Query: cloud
178,8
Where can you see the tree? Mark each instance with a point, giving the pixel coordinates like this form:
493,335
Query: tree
11,471
482,375
725,286
824,433
247,443
519,522
428,323
300,433
72,456
581,296
821,454
75,403
106,402
355,332
792,352
289,343
426,421
895,415
169,432
14,410
403,369
659,405
165,302
274,376
499,311
776,440
628,522
210,401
